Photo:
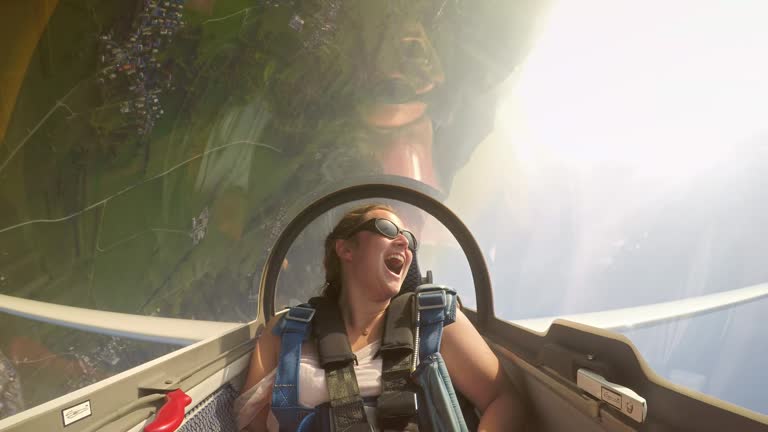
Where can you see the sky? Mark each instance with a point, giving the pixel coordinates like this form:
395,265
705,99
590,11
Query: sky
627,167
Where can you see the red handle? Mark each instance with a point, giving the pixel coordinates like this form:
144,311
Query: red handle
171,414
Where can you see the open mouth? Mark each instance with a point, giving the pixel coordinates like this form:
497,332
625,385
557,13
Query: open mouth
389,116
398,102
394,263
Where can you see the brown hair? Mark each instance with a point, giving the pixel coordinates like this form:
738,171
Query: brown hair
331,261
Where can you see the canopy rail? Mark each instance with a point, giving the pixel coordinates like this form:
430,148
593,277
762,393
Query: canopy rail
141,327
185,332
647,315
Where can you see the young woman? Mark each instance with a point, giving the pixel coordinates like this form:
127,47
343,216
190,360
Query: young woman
365,268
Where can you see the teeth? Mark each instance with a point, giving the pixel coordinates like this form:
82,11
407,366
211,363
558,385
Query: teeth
397,257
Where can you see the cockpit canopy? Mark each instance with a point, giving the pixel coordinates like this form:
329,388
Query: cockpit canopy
602,163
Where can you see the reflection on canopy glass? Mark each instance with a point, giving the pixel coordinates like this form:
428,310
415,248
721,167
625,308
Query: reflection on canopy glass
150,150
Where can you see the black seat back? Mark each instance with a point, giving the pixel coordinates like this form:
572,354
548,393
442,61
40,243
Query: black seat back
413,278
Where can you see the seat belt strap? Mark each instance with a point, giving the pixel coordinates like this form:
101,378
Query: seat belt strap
436,307
346,404
397,405
285,392
336,358
330,333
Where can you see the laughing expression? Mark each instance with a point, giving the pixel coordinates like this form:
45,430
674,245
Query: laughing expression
404,70
379,263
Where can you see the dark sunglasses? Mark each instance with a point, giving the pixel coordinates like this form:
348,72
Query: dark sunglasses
388,229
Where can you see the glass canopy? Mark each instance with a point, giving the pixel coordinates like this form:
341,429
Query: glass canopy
605,156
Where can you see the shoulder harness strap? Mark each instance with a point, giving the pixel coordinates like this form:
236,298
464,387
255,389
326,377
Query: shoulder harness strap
435,308
424,313
413,331
336,357
397,405
285,394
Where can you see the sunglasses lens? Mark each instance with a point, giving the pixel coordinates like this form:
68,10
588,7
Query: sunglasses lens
411,240
387,228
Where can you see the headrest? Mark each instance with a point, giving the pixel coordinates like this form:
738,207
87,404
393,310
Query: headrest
413,278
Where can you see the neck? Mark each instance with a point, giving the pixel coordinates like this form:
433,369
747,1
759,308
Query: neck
361,315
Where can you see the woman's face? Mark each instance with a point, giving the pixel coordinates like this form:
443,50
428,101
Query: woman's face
376,263
404,60
404,70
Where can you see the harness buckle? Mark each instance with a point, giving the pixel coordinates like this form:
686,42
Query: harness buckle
436,299
300,313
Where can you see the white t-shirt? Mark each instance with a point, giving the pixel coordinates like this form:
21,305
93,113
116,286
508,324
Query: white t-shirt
313,388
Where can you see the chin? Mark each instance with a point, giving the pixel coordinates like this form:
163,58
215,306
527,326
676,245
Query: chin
389,290
396,289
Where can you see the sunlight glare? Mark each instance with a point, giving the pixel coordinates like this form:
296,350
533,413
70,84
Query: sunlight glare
664,89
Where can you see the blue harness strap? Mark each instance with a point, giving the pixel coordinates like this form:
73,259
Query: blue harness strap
294,328
437,308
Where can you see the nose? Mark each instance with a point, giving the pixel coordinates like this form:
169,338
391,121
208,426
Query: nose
401,241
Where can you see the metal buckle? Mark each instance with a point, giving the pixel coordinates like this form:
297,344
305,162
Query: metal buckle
430,295
300,309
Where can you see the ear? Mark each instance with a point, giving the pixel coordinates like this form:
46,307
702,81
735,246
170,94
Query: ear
343,250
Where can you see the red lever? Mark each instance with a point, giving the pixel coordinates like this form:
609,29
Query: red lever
171,414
